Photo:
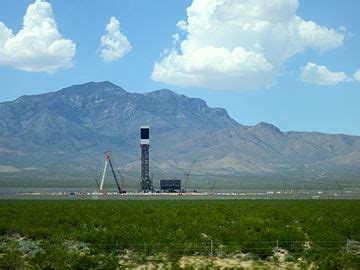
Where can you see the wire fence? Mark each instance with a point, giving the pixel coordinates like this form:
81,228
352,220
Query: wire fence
198,255
213,248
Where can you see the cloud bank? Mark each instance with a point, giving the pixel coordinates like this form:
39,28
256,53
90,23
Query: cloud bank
38,46
357,75
239,44
114,45
320,75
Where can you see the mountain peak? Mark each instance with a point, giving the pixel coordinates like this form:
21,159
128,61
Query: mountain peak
264,125
91,87
102,83
162,93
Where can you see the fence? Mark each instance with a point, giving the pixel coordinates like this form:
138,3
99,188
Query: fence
260,249
18,252
212,248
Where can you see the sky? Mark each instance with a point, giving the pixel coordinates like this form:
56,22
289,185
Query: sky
295,64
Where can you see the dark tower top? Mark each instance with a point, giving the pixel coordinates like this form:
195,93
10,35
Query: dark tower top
144,135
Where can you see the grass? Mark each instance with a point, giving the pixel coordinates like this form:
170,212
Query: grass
93,234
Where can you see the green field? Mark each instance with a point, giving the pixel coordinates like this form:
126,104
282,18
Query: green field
110,234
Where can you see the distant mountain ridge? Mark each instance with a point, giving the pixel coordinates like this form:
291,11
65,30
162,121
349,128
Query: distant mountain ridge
73,126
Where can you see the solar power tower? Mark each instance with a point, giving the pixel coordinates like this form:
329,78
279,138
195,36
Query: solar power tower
146,184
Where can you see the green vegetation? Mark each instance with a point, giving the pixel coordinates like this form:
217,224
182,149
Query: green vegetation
106,234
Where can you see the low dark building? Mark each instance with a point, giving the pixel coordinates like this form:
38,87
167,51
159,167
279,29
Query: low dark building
173,185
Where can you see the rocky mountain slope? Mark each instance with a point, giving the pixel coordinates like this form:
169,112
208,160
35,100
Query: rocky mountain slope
71,128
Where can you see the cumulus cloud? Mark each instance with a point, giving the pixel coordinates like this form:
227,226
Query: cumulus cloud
320,75
240,44
38,46
114,45
357,75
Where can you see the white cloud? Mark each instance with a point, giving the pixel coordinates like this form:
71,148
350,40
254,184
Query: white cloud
175,38
357,75
240,44
320,75
38,46
114,45
215,67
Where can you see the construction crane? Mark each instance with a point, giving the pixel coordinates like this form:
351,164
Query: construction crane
187,174
108,158
339,187
122,183
213,186
97,183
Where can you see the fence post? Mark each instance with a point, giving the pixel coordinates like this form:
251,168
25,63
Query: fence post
347,246
145,248
211,248
277,244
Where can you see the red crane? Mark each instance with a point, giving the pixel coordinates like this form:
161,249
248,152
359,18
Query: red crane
108,160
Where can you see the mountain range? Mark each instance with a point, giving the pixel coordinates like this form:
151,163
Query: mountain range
72,127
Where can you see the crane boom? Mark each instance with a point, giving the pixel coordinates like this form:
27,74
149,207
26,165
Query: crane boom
103,175
108,160
115,177
187,176
339,187
97,183
122,183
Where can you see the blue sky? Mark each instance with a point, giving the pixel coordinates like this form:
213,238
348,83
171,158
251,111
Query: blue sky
311,88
